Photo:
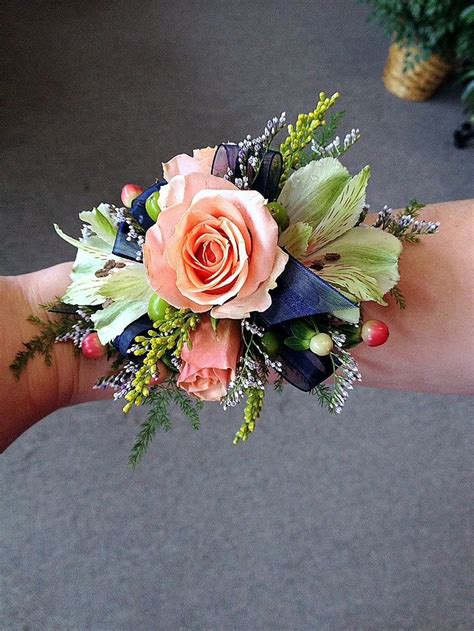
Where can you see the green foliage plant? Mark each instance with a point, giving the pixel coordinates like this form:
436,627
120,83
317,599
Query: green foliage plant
430,26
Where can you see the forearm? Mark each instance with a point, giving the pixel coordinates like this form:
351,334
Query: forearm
430,348
40,390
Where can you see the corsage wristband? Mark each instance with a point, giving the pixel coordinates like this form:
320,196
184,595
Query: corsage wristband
244,266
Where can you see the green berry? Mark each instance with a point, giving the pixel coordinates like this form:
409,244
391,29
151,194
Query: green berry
157,308
321,344
272,342
152,206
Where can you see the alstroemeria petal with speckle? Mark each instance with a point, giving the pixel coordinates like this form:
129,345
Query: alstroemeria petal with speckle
343,214
371,250
352,282
295,239
310,192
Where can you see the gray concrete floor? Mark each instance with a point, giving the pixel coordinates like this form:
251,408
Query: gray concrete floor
358,522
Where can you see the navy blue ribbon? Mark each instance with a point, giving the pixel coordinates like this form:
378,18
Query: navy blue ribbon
125,340
303,369
265,181
124,246
299,294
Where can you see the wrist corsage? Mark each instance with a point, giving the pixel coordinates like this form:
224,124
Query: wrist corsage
244,266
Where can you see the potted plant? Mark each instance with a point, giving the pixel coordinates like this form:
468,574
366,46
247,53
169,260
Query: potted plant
464,135
425,36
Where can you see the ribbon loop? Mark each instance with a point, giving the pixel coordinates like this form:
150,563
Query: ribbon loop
265,181
268,177
126,246
125,340
301,293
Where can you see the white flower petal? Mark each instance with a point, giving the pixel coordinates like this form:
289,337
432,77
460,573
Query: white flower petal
371,250
344,212
295,239
310,191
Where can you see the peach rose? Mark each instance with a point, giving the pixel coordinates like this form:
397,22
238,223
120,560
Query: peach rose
210,364
213,247
201,162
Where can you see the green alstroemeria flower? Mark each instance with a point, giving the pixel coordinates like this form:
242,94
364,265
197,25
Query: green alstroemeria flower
123,293
324,203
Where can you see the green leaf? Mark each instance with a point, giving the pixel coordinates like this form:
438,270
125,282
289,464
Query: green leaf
467,15
302,330
310,192
468,92
214,324
296,344
100,222
373,251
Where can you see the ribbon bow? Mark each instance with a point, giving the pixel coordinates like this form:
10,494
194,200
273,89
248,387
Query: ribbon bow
300,293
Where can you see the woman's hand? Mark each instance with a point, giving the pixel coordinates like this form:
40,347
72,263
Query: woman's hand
40,389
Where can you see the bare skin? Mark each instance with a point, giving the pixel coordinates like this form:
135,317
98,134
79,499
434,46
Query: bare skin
430,347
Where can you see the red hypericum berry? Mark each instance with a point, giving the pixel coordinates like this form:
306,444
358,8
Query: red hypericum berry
92,348
375,332
129,193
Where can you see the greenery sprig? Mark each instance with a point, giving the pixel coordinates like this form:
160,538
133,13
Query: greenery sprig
252,410
169,335
42,344
398,296
159,400
326,133
405,224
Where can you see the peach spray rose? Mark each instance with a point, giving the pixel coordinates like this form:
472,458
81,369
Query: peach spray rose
210,364
214,247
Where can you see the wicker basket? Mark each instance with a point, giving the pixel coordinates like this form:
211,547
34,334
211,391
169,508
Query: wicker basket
417,84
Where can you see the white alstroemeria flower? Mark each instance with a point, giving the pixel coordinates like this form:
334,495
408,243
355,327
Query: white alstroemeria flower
125,291
324,203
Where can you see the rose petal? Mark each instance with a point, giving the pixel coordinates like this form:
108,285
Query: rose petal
260,300
183,188
260,224
183,164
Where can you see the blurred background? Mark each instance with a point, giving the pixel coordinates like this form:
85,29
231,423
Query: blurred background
355,522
